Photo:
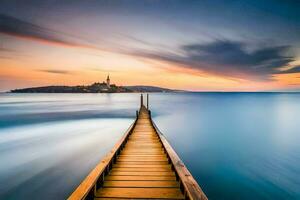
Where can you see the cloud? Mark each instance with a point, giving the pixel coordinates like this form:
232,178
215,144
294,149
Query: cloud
228,58
56,71
2,49
6,57
105,70
295,69
6,53
22,29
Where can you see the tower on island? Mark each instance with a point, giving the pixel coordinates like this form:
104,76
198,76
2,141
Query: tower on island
108,81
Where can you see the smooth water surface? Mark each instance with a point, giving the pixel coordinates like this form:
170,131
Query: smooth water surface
237,145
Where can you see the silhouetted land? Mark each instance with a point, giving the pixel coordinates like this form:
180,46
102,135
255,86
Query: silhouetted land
94,88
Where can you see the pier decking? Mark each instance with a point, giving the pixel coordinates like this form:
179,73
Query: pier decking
142,165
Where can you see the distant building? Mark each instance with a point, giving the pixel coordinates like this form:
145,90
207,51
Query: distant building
108,81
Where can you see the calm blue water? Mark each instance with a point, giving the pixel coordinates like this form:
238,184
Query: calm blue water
237,145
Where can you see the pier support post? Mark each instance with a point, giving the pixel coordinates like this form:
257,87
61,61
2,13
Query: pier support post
147,101
141,100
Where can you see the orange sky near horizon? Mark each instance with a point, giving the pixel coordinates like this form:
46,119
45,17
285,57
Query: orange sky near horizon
76,66
185,45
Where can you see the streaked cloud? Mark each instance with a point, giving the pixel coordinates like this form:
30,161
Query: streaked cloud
53,71
105,70
2,49
18,28
292,70
229,58
7,53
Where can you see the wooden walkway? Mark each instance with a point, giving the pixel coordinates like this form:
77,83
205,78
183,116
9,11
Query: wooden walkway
142,165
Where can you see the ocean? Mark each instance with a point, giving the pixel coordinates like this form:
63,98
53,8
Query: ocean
236,145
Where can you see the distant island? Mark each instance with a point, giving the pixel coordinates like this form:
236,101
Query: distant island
104,87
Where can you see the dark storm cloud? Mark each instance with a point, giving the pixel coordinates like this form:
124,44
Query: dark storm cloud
22,29
228,58
56,71
233,53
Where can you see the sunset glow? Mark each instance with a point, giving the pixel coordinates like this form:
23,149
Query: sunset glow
147,43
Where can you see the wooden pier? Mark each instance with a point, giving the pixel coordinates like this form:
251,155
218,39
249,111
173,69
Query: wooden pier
142,165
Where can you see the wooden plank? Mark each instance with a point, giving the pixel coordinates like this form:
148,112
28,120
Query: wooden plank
142,193
143,184
141,135
143,140
139,142
144,130
151,147
149,139
136,146
141,169
143,148
139,149
144,162
140,178
119,165
145,153
99,198
122,173
144,144
138,158
138,155
131,147
132,150
146,140
144,136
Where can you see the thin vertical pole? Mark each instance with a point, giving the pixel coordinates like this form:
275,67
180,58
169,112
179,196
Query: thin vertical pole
147,101
141,100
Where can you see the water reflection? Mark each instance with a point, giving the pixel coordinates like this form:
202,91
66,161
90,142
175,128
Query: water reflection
237,145
52,158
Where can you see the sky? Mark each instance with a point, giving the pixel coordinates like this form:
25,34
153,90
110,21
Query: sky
207,45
